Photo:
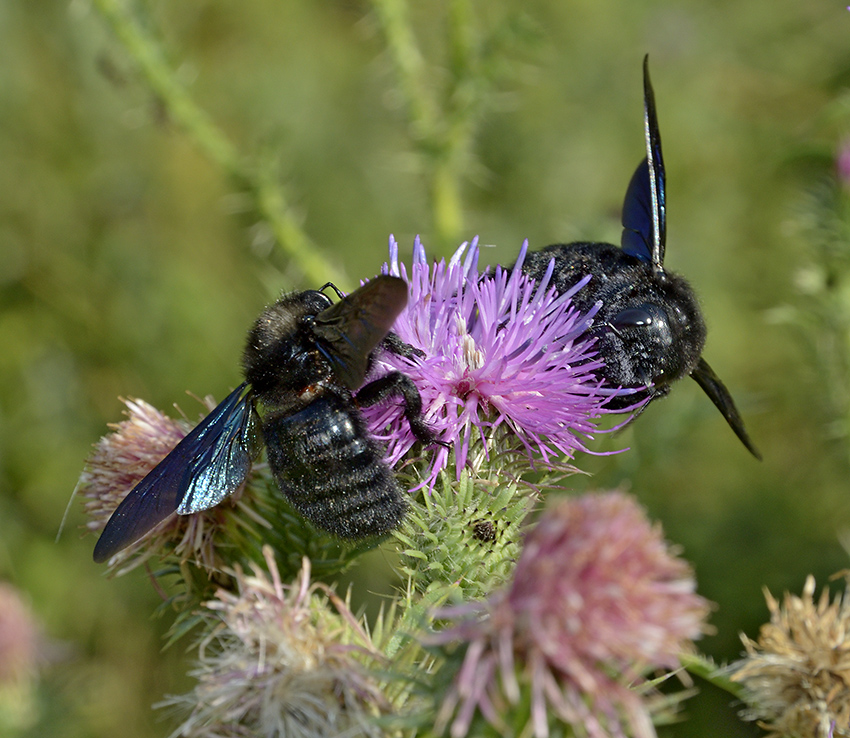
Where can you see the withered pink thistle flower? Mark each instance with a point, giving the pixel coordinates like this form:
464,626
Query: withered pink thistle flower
796,675
842,163
21,643
23,651
282,660
120,460
597,603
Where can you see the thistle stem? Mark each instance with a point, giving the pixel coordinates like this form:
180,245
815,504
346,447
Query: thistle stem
268,195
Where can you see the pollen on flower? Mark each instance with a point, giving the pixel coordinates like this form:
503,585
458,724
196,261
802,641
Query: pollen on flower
282,660
504,357
796,675
597,603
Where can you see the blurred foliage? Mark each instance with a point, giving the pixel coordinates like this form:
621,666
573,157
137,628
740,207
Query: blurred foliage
131,262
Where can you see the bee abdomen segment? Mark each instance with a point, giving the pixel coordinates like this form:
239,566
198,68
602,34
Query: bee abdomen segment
332,471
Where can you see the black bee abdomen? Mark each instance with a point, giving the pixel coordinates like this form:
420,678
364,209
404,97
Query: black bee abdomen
331,470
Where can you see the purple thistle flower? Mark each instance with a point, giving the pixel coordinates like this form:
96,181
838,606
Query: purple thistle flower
597,601
500,352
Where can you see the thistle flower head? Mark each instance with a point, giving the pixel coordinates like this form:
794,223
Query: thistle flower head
500,353
796,676
281,662
23,650
21,644
120,460
597,602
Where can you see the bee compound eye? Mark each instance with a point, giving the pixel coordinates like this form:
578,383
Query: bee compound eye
631,318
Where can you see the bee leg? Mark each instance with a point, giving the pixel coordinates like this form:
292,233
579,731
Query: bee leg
638,402
395,345
396,383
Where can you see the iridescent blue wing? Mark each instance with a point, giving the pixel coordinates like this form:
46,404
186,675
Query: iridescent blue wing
209,464
637,216
644,207
348,331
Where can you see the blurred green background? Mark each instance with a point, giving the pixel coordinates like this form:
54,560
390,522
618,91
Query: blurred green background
132,265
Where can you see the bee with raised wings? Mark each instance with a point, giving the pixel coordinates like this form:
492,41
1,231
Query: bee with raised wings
304,360
649,327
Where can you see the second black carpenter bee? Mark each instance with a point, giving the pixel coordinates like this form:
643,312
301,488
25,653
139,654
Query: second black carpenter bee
304,359
649,328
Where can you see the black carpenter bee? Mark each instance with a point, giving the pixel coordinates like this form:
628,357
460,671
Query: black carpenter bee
304,359
649,328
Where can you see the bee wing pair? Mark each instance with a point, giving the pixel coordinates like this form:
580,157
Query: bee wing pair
214,459
645,237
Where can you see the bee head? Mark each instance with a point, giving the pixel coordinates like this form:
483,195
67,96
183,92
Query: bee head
280,338
651,337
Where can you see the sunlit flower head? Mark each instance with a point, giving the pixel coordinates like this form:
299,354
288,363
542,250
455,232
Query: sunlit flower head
120,460
500,352
796,676
597,603
282,660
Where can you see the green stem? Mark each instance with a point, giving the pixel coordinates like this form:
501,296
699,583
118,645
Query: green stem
707,670
446,202
431,127
409,66
269,197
